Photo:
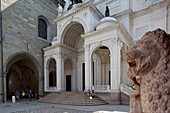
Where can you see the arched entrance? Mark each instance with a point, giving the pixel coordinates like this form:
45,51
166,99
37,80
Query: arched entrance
101,73
68,72
22,75
68,51
52,73
72,36
73,72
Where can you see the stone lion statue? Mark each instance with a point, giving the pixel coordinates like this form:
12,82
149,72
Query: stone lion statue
149,59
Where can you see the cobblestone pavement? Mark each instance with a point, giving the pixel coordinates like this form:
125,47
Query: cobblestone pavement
38,107
52,110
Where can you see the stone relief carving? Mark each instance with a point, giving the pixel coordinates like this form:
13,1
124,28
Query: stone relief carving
149,60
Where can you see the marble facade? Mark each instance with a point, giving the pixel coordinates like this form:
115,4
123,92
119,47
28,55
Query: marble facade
83,49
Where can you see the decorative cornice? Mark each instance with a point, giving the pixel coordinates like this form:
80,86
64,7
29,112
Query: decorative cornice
129,11
100,31
59,45
79,8
151,8
126,38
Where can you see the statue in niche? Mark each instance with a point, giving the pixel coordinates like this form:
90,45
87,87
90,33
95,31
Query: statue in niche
149,59
107,12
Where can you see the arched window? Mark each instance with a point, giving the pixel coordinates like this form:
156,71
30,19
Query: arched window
42,29
52,73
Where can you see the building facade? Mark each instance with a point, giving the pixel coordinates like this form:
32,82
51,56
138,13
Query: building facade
74,47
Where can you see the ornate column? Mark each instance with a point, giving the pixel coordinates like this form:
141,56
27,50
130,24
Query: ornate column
120,45
87,67
59,71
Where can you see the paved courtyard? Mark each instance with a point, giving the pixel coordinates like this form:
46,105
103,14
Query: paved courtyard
26,106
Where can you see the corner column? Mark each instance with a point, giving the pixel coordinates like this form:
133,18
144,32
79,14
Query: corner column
59,71
114,68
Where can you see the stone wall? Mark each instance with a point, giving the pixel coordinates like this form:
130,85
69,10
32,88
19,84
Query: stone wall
20,29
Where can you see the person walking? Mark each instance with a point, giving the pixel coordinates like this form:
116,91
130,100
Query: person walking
30,95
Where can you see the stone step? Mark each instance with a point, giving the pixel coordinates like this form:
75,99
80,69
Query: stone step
72,98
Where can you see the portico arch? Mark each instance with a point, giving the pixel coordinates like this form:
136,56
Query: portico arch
96,46
68,24
72,35
100,68
22,74
50,73
74,56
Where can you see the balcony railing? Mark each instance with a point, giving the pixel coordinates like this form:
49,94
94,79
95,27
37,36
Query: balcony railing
126,89
101,88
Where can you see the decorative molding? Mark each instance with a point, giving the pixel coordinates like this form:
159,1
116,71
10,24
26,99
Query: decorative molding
80,8
150,9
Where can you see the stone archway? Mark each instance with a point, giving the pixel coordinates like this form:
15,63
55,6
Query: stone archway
101,77
72,35
68,72
69,45
22,75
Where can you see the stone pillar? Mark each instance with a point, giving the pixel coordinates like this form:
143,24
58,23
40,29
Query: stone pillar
103,74
46,77
95,71
40,85
87,67
62,75
5,88
114,68
90,72
3,93
59,71
74,75
120,45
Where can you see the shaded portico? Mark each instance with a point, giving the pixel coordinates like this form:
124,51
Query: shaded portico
112,35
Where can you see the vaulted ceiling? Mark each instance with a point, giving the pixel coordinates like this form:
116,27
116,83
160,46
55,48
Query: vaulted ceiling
72,36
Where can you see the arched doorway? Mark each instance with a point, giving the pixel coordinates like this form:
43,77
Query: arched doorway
22,76
101,77
68,72
71,37
52,73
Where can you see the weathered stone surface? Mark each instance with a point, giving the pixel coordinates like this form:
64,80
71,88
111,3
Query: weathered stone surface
148,58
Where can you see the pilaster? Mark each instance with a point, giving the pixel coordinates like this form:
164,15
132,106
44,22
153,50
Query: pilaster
87,67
